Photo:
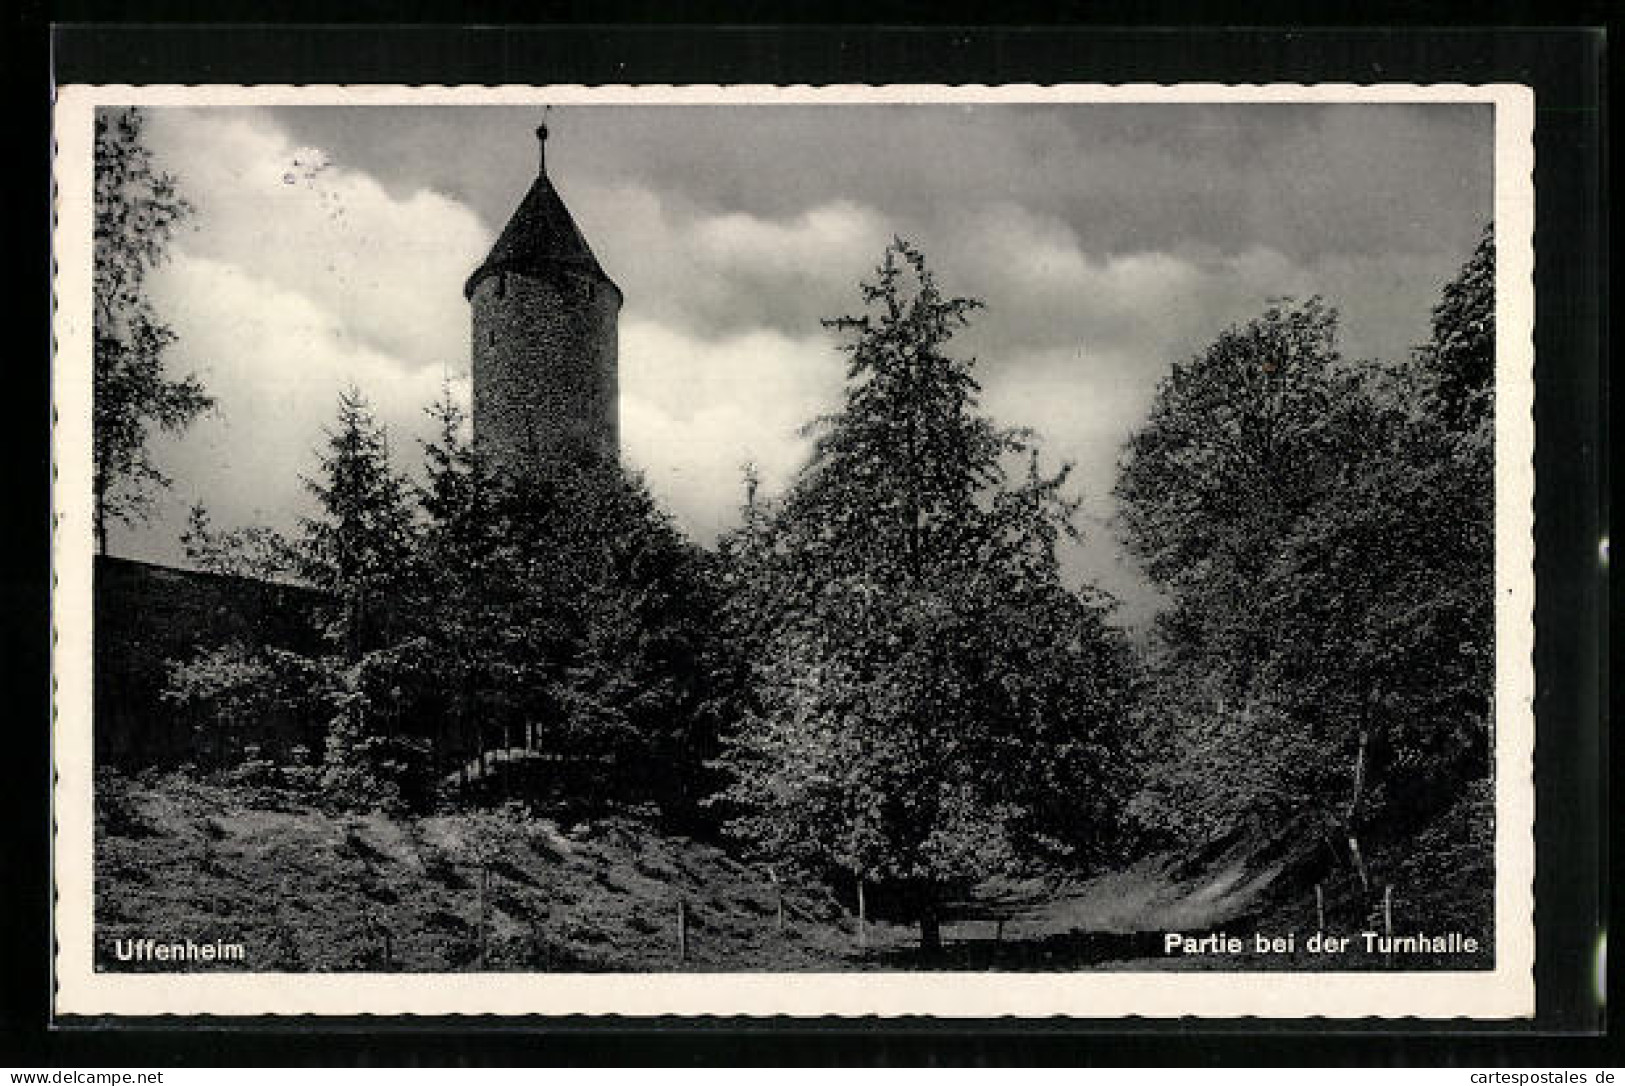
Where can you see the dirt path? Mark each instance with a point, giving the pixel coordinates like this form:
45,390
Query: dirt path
1149,896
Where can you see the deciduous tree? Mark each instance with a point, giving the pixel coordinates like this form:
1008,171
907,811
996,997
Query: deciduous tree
1326,533
1460,356
138,207
924,692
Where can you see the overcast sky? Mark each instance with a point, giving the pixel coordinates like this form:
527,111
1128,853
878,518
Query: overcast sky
1107,241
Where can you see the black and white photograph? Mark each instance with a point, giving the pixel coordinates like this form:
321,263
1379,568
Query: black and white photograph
839,551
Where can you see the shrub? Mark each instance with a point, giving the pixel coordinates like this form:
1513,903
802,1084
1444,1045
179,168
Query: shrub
371,772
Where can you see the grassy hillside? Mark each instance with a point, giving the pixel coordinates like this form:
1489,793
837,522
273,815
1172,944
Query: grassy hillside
305,889
177,859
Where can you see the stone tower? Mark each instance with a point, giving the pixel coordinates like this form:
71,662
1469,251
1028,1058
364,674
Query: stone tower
544,317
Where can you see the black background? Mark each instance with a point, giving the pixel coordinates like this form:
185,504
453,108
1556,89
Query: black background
667,43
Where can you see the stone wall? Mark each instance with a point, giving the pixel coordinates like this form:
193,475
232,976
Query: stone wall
147,615
545,366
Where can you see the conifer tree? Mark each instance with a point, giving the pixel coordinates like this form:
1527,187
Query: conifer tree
358,545
612,618
461,591
357,549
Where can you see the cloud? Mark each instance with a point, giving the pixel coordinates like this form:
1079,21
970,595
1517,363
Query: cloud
275,361
695,411
1106,242
722,275
1306,180
299,276
392,265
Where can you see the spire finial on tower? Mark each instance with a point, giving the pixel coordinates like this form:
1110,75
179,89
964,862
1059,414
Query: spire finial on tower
541,141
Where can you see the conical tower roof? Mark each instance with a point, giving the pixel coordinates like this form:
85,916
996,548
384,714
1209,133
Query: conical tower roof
540,236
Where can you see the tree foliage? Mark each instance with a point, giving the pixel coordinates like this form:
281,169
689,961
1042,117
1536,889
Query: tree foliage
356,550
924,693
357,546
569,615
1240,442
1325,532
138,207
255,552
1460,357
560,615
232,692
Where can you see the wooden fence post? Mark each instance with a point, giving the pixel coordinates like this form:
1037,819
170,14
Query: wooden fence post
1359,867
778,898
1388,917
485,908
1320,909
1359,779
541,952
863,916
682,930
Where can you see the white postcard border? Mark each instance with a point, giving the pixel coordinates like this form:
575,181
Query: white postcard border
1507,991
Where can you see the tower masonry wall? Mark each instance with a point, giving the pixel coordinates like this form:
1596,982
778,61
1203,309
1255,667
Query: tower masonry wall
545,366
